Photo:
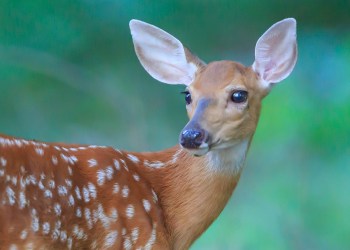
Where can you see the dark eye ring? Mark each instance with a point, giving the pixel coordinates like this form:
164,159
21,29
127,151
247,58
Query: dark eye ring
188,97
239,96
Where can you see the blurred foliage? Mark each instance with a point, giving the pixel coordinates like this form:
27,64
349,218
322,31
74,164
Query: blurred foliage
68,73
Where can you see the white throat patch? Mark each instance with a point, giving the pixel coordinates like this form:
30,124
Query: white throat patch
229,160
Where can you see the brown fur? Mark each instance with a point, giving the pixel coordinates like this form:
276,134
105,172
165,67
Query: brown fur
190,195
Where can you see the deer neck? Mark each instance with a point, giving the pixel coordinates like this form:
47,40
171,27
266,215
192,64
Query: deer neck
194,190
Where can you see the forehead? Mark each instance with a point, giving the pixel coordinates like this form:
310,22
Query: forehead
218,75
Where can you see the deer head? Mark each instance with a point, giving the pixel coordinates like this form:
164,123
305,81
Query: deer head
223,98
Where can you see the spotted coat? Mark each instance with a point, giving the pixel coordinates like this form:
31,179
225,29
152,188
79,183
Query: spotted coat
57,196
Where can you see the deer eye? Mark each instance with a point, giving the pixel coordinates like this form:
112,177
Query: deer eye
239,96
188,97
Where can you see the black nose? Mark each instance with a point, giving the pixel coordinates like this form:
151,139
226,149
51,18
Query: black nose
192,139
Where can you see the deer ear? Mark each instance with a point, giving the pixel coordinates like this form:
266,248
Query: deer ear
276,52
162,55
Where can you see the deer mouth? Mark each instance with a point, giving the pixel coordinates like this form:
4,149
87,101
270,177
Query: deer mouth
225,144
200,151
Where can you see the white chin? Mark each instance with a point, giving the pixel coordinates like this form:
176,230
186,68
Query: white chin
202,150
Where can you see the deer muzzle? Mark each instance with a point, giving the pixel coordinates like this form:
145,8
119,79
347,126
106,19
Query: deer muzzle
193,137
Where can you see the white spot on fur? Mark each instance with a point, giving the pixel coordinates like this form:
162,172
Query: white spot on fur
22,182
30,246
10,196
51,184
31,180
69,243
22,200
73,159
62,190
79,233
70,171
111,238
127,243
57,209
3,161
41,185
125,191
130,211
77,193
146,205
46,228
92,163
152,239
14,180
23,235
94,245
68,182
92,190
56,231
124,165
134,235
47,193
136,177
155,197
113,214
101,177
109,173
39,151
71,200
116,164
133,158
100,214
64,157
78,212
18,143
54,160
63,236
23,170
13,247
88,219
86,194
35,221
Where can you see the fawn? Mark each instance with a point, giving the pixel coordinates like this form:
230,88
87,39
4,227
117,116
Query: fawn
60,196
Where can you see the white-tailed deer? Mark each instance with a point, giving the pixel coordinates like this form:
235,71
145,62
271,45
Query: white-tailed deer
59,196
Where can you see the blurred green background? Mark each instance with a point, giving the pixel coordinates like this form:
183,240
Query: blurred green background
68,73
